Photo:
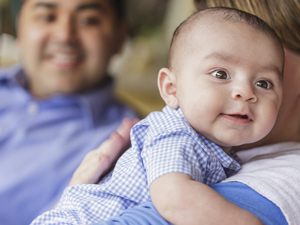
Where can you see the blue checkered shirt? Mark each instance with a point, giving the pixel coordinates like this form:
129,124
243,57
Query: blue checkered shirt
161,143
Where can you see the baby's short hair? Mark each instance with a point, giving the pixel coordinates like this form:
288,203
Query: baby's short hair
183,31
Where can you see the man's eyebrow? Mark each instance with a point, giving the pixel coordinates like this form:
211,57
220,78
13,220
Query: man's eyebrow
45,5
94,6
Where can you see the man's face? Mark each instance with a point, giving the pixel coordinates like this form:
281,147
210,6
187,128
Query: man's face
66,45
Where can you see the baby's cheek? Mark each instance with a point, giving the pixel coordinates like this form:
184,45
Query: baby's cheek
268,118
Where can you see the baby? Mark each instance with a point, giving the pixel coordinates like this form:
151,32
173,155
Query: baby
223,88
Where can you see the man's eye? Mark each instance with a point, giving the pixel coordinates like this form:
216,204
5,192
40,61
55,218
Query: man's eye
89,21
264,84
47,18
221,74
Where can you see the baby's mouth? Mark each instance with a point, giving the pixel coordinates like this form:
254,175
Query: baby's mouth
239,116
244,118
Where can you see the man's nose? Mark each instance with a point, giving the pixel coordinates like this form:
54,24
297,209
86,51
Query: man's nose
65,30
244,91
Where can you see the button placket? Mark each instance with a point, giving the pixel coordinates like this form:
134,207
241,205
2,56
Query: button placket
32,108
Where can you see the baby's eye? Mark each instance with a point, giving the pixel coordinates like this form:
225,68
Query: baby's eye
221,74
264,84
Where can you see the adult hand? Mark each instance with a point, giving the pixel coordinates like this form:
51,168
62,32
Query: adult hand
101,160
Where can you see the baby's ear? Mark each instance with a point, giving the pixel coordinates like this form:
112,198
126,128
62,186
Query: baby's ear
167,87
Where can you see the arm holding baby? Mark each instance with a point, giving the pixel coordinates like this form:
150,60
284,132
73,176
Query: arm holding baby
182,200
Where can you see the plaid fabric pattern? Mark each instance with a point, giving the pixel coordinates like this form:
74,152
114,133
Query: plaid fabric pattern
161,143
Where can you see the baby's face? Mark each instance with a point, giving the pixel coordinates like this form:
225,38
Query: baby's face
229,83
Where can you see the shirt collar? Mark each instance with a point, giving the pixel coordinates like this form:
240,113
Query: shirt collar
14,75
176,112
93,104
230,162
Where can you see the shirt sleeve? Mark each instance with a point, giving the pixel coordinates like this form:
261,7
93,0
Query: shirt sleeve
248,199
173,152
144,214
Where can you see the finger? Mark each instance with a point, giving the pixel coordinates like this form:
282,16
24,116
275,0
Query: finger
99,161
124,130
116,145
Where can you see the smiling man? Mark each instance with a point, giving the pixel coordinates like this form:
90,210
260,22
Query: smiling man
66,45
58,103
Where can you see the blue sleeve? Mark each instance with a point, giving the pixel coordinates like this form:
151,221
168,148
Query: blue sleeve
238,193
248,199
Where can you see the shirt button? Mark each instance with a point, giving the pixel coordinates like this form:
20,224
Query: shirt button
32,108
232,166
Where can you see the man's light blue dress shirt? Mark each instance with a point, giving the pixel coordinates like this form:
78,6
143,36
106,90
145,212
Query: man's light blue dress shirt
42,142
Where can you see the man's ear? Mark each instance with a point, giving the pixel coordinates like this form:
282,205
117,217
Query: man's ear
167,87
18,42
120,36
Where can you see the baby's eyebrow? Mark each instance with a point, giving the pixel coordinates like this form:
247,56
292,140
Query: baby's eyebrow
219,55
228,58
273,68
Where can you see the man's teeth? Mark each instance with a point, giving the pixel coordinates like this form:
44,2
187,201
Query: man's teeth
65,58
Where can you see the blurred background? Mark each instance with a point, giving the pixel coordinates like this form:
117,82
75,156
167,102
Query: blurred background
152,23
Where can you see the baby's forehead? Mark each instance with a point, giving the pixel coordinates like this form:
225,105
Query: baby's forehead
213,21
204,26
210,28
215,16
216,24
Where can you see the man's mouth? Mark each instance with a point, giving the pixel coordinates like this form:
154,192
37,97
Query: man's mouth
64,60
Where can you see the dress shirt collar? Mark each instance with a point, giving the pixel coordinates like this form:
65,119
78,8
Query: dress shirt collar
93,104
13,75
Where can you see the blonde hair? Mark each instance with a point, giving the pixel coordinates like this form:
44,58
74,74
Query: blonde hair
281,15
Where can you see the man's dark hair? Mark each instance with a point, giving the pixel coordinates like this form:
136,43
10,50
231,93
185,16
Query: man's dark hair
119,7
